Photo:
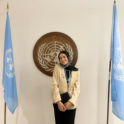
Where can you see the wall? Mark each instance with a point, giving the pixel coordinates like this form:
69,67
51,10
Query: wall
89,24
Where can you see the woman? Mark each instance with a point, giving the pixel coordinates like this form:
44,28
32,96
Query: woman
66,80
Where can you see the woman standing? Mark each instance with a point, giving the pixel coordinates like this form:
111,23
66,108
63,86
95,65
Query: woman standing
65,89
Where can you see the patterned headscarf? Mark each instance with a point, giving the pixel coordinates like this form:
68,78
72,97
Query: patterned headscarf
67,66
68,57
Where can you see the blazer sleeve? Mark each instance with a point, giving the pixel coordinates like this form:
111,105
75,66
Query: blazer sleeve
76,90
55,86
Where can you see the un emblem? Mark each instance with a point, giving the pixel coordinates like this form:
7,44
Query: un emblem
9,64
47,48
117,65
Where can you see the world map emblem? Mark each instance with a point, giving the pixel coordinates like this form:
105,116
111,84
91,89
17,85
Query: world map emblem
117,65
9,63
47,48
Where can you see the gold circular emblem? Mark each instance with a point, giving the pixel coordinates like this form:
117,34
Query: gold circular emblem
47,48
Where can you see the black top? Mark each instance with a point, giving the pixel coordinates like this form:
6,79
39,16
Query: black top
67,72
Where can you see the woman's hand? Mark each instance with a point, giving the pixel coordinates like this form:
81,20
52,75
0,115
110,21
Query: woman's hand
61,106
68,104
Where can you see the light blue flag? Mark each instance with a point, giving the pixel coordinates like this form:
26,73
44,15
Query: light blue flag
117,78
9,81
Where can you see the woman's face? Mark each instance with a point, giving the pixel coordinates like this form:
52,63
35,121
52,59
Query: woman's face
63,59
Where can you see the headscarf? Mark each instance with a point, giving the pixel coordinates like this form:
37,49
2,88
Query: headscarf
67,66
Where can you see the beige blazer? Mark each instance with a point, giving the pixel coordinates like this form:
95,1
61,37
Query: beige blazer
59,85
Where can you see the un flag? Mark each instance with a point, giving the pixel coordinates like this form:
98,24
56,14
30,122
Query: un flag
117,79
9,81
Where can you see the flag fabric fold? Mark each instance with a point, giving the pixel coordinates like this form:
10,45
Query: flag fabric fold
117,78
9,80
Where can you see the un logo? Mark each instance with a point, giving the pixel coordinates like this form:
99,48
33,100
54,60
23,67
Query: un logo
47,48
9,63
117,65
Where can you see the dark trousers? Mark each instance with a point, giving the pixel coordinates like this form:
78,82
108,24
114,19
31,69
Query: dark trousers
67,117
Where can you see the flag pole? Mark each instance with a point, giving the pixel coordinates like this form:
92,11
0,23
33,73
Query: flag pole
4,112
109,80
108,90
7,7
4,101
109,76
114,1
